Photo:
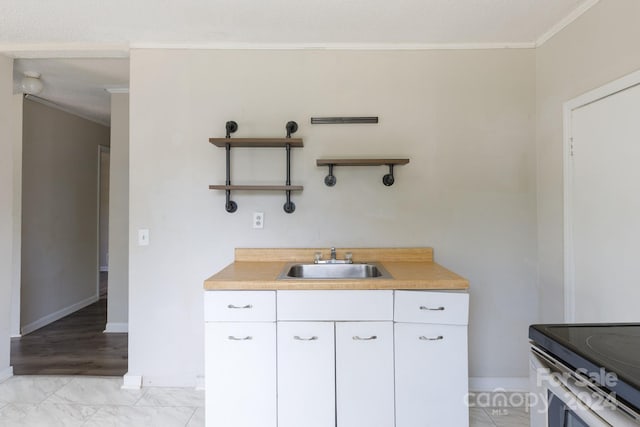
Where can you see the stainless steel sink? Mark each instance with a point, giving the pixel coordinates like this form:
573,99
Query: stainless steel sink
334,271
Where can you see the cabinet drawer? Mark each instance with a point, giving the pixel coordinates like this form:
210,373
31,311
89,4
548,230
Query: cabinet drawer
239,306
447,308
335,305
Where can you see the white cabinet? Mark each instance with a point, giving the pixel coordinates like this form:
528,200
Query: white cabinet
431,364
375,358
240,374
240,366
364,374
306,374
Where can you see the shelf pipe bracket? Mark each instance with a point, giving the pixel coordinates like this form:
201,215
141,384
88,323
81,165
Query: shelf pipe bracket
388,179
230,206
289,206
330,180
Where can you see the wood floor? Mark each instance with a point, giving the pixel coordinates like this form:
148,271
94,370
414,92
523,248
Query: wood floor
74,345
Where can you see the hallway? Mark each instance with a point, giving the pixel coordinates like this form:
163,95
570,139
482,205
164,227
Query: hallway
73,345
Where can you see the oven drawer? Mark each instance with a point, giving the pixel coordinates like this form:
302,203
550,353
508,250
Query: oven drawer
444,308
239,306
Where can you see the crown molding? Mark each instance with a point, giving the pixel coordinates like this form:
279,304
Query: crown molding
563,23
333,46
64,50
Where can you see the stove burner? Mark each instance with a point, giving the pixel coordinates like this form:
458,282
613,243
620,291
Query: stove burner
616,347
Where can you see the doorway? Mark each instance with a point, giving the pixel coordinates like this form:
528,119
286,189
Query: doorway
602,203
65,184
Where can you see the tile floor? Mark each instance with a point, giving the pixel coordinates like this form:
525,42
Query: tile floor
498,417
51,401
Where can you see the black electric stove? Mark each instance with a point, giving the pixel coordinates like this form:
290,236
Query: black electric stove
601,351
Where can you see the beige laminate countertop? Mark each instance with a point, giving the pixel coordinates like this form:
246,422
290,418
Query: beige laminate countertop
410,268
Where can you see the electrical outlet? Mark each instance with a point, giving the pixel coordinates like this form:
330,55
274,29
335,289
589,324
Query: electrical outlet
258,219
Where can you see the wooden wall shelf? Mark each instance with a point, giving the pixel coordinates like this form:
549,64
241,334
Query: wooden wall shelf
287,143
361,162
388,179
257,187
256,142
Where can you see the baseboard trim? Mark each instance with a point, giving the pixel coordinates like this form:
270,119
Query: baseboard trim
499,383
116,328
104,268
6,373
131,382
16,336
50,318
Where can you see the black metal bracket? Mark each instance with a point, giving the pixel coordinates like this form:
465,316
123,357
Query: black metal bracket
330,180
289,206
292,127
231,206
388,179
231,127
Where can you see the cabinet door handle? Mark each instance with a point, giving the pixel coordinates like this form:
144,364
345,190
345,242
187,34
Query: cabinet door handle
422,307
247,338
357,338
240,306
438,338
299,338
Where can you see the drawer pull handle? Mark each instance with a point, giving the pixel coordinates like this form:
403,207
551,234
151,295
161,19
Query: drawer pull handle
247,338
422,307
372,337
239,306
438,338
298,338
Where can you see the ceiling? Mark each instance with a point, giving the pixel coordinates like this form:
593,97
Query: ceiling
78,86
96,28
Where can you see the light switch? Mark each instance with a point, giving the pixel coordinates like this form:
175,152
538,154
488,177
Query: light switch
143,237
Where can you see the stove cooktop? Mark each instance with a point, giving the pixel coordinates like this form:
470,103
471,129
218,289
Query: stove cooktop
612,347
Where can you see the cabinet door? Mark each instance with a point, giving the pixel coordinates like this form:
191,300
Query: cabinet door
364,374
240,374
306,374
431,375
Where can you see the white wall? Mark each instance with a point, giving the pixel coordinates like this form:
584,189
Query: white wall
465,118
118,300
6,210
59,213
601,46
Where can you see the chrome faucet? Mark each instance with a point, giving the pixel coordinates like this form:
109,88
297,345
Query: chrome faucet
333,260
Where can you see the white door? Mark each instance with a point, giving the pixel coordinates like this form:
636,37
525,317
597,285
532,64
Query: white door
431,375
364,374
240,374
605,208
306,374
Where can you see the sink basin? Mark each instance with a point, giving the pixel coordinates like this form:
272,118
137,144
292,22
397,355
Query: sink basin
334,271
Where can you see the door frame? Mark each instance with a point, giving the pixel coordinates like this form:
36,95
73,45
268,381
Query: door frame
101,150
595,95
